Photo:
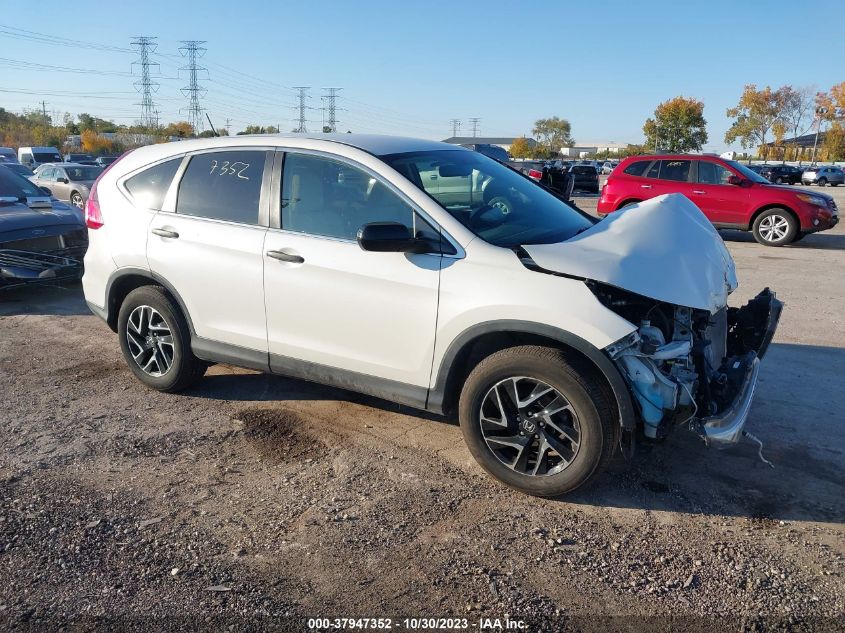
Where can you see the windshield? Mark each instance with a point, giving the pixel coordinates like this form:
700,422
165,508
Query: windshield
44,157
13,185
75,157
747,173
494,202
82,173
23,170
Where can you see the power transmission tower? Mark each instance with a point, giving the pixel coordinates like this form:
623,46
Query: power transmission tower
145,85
475,121
330,109
456,126
303,95
192,50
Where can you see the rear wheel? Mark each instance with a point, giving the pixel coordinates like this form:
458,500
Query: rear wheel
775,227
821,182
76,200
778,180
537,421
156,341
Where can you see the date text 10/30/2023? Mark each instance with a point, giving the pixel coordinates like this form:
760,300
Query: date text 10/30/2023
416,624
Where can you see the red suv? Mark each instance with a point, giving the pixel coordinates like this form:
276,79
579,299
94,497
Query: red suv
728,193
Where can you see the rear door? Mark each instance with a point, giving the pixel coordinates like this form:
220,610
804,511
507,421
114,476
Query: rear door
722,202
669,176
207,243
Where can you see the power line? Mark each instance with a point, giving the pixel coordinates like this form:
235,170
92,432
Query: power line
475,121
145,85
331,107
456,126
302,96
192,50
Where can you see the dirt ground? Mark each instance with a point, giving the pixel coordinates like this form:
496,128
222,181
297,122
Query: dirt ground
256,502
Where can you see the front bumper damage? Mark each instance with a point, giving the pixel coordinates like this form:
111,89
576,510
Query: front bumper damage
750,330
19,268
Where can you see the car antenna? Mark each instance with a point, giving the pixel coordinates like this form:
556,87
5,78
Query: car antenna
211,124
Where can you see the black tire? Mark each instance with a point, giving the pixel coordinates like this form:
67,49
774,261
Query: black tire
76,200
778,181
822,182
185,369
799,236
775,227
577,383
835,184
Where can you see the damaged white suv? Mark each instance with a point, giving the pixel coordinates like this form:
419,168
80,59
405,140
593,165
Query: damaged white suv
432,276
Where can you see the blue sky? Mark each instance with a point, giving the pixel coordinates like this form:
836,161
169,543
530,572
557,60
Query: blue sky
410,67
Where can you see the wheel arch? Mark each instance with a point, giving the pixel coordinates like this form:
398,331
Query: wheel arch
125,280
480,341
774,205
626,202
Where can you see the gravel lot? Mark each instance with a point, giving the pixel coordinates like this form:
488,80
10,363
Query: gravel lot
254,502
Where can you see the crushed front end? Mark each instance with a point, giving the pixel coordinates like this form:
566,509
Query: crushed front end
690,366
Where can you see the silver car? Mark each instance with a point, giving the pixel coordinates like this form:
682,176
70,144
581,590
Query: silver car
68,182
822,176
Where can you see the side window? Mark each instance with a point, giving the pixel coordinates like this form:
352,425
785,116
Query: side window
712,173
677,170
48,174
150,186
654,170
321,196
637,168
59,173
223,186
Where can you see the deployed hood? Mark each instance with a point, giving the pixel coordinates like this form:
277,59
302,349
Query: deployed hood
664,248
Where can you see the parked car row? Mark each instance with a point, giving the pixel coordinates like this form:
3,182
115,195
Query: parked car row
822,175
32,157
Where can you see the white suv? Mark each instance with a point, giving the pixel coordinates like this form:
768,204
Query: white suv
342,259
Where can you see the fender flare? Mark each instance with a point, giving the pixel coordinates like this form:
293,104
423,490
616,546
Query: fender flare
110,311
624,404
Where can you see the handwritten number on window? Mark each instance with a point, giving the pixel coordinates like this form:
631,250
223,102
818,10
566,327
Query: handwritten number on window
230,169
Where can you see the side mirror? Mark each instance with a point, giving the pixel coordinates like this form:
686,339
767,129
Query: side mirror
389,237
46,191
63,180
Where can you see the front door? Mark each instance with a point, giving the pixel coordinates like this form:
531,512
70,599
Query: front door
724,204
210,248
337,313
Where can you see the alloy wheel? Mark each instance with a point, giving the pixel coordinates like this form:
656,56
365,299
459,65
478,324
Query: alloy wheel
150,341
530,426
774,228
76,200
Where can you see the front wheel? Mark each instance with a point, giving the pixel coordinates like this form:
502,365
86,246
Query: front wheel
775,227
156,341
778,181
822,182
537,421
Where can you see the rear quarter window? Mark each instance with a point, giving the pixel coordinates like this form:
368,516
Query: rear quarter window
149,187
637,168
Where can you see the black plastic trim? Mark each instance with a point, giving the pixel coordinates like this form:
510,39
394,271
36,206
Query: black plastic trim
217,352
111,318
402,393
627,415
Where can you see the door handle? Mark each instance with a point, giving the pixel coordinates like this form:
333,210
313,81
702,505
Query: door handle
165,233
286,257
698,192
645,186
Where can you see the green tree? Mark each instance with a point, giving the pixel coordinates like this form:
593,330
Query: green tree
678,125
755,116
554,133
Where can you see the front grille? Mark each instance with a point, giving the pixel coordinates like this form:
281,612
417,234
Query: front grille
50,243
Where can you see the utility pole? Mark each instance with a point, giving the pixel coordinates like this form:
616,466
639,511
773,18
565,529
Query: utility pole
330,110
456,125
192,50
44,111
820,112
475,121
302,96
145,85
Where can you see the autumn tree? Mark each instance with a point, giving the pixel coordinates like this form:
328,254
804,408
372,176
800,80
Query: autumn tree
554,133
182,129
93,143
521,148
755,116
678,125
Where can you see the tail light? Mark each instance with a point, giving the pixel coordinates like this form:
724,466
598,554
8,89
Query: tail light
93,215
536,175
